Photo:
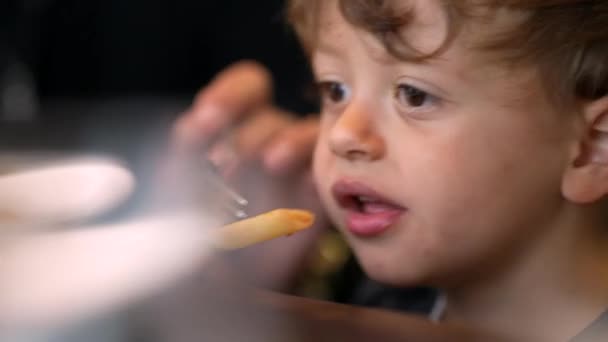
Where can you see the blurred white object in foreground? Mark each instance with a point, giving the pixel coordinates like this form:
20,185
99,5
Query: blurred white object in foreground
51,277
60,193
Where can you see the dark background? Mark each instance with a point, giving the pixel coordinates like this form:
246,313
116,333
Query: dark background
111,76
116,48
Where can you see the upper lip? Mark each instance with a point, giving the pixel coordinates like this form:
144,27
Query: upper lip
347,192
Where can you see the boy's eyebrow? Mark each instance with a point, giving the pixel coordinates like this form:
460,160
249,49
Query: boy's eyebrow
328,49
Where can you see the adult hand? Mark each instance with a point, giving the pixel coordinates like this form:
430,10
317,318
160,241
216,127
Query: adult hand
265,152
235,119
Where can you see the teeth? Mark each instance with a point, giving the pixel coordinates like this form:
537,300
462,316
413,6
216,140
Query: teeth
365,199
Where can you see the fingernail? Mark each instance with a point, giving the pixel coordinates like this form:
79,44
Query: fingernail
222,156
183,138
277,159
216,156
210,118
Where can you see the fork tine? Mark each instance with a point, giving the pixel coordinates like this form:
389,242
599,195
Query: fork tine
235,203
233,208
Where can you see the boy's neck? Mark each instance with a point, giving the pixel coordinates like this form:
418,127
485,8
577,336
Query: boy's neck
552,293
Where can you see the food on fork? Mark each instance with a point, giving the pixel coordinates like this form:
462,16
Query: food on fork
267,226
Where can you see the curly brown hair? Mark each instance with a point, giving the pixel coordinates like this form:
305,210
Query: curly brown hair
566,39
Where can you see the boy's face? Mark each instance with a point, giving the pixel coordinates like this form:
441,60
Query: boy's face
437,170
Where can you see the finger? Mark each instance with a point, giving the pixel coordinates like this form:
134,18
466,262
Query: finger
292,149
235,92
240,88
251,137
63,192
185,134
246,142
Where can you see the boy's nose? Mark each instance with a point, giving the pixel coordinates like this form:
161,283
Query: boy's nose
354,137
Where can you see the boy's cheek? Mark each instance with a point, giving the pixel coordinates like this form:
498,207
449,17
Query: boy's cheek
323,159
320,169
317,165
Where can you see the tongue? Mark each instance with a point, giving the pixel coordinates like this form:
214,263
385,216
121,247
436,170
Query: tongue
376,207
372,218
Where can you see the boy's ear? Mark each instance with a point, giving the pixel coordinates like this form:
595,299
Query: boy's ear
586,179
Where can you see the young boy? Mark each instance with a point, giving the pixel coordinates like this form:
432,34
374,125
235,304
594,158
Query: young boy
464,146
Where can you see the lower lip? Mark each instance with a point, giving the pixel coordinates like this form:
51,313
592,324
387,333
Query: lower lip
371,224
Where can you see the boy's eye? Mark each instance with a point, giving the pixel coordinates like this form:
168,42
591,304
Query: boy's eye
413,98
332,91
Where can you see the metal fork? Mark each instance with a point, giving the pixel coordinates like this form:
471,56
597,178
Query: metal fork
195,182
229,199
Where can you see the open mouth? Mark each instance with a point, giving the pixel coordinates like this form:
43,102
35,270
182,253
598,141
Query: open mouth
367,212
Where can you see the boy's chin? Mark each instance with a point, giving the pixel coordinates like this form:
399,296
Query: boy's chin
392,274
